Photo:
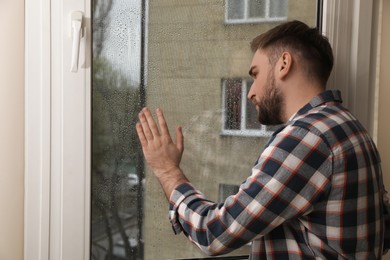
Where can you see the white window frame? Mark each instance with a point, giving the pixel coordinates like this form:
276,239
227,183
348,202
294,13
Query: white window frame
243,131
57,130
247,19
57,116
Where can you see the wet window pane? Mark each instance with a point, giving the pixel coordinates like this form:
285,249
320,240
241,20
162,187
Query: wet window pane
278,8
183,57
257,8
235,9
233,104
117,178
256,11
239,113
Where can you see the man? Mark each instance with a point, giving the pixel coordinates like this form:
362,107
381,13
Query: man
316,190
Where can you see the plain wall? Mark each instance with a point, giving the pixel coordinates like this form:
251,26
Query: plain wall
384,95
11,128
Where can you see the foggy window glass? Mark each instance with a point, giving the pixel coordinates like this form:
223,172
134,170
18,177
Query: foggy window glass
238,113
117,177
183,57
235,9
278,8
233,104
256,11
257,8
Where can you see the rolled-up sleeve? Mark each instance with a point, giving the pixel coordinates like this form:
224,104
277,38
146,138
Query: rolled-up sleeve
179,194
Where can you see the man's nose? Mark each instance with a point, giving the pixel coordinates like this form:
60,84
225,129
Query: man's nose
250,92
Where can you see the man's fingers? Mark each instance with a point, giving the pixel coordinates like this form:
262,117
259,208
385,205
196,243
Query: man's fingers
145,126
148,131
179,139
152,124
141,135
163,124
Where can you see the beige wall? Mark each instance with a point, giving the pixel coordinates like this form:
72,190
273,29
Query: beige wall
11,128
383,139
384,95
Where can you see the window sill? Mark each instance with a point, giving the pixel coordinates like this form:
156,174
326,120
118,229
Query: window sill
246,133
252,21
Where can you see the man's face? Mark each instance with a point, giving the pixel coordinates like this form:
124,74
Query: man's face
264,93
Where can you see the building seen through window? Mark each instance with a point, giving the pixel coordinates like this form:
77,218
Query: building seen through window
190,58
255,11
239,116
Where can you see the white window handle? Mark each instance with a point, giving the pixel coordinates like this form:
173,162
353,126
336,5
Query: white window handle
76,20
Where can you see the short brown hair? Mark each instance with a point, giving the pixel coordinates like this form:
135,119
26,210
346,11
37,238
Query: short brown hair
306,42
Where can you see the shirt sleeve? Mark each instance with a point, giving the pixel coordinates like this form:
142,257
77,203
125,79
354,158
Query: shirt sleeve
291,174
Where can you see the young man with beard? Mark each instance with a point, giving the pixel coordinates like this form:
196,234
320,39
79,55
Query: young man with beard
316,190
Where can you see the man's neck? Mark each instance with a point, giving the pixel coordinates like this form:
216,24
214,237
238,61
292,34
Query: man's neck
298,96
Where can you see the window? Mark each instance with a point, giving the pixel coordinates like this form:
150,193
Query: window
255,11
186,50
239,115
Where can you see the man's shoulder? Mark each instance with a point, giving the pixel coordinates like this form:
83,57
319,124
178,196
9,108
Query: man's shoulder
323,118
334,124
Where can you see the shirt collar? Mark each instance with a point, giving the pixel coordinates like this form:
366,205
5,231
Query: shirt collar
324,97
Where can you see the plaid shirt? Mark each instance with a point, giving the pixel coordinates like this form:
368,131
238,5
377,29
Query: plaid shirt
315,192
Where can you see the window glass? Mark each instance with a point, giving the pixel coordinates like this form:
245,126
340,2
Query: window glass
233,104
256,11
238,113
235,9
278,8
188,61
257,8
117,177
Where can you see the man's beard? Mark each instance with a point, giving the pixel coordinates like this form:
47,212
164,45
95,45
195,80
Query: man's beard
270,108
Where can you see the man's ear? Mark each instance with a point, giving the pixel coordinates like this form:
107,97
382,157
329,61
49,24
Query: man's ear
284,65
